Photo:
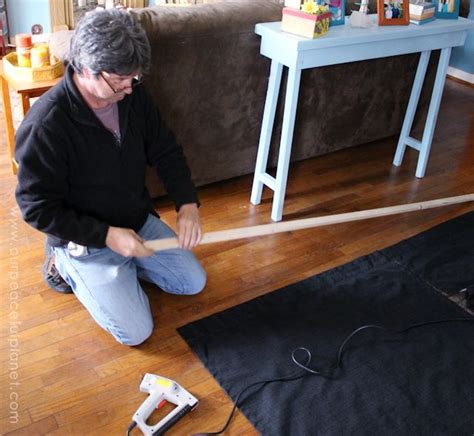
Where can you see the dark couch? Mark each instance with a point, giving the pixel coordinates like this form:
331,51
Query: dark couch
209,81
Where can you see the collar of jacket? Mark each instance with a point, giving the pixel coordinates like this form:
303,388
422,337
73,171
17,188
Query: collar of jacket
81,111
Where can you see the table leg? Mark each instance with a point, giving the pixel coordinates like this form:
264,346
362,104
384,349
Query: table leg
25,103
7,112
404,139
291,102
433,112
266,132
423,146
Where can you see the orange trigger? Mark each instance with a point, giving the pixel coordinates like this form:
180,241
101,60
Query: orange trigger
161,404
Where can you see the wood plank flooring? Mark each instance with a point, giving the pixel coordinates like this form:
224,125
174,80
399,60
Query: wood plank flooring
62,375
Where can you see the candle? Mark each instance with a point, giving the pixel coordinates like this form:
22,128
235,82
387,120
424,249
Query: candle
40,56
23,49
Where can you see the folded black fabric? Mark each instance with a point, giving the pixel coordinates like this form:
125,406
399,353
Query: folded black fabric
442,256
416,383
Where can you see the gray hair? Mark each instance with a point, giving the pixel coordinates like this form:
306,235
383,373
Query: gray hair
109,40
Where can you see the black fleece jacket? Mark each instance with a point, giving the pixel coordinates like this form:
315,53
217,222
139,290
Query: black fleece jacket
74,178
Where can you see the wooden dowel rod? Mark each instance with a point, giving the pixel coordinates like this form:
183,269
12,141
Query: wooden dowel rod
306,223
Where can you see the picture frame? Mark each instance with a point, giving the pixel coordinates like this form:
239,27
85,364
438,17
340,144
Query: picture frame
393,12
447,9
337,8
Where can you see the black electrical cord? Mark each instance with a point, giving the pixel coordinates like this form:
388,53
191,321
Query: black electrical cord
262,382
325,372
131,426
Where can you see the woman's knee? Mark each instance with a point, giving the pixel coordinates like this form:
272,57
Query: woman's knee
190,280
197,281
134,334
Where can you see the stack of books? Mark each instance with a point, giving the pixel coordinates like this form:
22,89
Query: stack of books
421,12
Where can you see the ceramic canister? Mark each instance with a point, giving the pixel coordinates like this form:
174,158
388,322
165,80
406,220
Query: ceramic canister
39,56
23,49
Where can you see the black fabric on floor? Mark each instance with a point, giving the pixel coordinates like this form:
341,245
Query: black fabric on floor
442,256
417,383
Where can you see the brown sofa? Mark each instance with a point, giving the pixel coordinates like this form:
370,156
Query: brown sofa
209,81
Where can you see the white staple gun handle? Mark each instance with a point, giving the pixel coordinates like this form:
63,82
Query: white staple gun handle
159,389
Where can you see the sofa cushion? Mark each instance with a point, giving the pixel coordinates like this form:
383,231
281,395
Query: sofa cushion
209,82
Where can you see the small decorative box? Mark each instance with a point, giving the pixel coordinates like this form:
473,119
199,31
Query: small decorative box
303,24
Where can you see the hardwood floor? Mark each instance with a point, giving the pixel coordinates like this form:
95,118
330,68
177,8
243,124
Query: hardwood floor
74,379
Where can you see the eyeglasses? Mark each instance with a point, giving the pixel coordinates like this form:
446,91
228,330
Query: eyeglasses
136,80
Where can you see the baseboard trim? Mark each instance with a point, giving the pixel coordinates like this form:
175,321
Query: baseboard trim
461,75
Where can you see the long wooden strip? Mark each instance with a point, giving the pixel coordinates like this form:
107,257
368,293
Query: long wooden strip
306,223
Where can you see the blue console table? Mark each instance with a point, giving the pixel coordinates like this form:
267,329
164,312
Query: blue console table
344,44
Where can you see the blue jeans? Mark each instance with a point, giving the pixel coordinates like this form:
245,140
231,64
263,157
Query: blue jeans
106,283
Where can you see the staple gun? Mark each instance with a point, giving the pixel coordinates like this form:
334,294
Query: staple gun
161,389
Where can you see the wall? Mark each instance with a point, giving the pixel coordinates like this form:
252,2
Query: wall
463,57
22,14
461,64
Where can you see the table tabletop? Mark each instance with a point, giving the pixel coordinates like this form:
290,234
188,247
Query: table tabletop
345,43
22,86
347,35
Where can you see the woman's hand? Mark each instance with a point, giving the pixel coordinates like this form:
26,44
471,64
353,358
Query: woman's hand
188,225
126,242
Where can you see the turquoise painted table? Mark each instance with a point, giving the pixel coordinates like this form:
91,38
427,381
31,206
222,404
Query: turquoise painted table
344,44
